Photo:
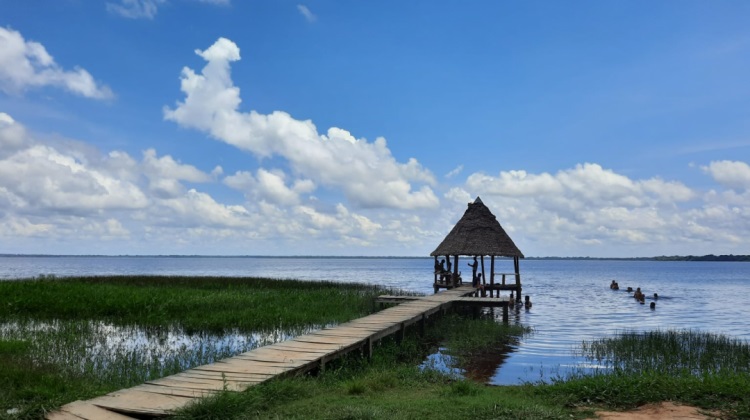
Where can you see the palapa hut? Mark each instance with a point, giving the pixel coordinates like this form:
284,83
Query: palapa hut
478,234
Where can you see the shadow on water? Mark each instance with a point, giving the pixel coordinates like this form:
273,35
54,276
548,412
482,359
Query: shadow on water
478,361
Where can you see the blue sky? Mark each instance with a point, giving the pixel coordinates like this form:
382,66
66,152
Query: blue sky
618,128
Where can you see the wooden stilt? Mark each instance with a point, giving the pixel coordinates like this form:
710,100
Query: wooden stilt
492,274
518,278
484,279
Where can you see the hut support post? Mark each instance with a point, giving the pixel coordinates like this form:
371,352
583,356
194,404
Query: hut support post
492,275
484,279
518,278
455,270
436,268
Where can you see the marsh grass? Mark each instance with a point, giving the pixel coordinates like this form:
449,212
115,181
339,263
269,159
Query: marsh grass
68,339
708,370
670,352
197,303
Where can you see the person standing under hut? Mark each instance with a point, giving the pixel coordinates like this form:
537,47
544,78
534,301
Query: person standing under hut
474,266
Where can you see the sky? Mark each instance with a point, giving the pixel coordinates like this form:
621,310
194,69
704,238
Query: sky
273,127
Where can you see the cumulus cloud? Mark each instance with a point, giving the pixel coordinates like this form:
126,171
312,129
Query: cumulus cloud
732,174
37,177
366,172
27,64
589,205
309,16
71,193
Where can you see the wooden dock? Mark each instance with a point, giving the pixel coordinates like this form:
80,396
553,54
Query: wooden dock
307,352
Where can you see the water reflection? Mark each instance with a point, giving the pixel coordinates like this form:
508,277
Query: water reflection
105,349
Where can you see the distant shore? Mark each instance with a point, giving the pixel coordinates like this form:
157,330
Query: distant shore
700,258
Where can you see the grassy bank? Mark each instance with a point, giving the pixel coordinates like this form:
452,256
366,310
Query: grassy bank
707,370
68,339
395,384
392,386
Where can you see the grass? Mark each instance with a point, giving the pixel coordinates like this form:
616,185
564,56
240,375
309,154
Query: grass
393,387
68,339
62,340
703,369
197,303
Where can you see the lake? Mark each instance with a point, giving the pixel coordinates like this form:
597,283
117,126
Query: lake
572,300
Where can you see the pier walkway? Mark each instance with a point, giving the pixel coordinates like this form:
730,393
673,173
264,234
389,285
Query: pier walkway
304,353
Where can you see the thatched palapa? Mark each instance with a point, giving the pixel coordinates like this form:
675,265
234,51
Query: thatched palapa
478,234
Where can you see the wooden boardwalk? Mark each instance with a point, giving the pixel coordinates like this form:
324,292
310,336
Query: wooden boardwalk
159,397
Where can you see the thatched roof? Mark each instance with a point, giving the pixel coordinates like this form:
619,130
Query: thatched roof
478,233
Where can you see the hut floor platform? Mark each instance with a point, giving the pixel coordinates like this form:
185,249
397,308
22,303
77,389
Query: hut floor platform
158,398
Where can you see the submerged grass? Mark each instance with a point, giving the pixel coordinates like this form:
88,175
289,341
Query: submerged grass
670,352
68,339
704,369
391,386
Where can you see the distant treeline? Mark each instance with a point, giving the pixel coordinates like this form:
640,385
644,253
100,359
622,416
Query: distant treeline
710,257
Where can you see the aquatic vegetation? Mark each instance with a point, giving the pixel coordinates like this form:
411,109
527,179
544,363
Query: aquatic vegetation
699,368
68,339
391,385
197,303
670,352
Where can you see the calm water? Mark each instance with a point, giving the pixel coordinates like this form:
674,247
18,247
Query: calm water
572,299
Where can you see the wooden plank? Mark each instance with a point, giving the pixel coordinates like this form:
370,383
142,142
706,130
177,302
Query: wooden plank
230,376
245,366
174,391
236,368
314,347
343,332
343,341
62,415
205,384
78,410
139,402
281,355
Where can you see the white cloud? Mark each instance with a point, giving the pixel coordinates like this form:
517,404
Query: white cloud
27,64
269,186
366,172
589,210
12,135
135,9
165,174
732,174
147,9
309,16
455,171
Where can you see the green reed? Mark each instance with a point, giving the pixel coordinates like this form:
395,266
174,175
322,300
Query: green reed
199,303
75,338
707,370
671,352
